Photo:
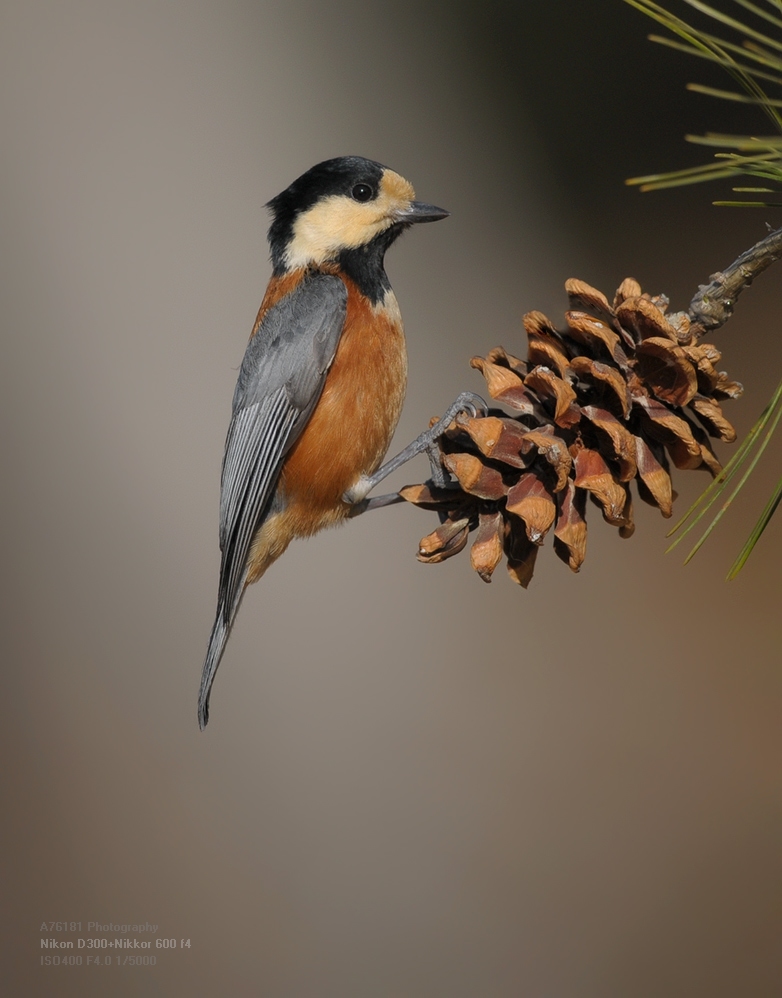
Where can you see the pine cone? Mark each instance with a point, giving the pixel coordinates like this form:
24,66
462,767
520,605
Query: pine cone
610,400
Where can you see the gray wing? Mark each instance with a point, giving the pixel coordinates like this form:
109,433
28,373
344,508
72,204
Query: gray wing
280,382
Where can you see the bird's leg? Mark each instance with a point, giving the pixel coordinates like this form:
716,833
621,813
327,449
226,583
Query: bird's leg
439,478
427,441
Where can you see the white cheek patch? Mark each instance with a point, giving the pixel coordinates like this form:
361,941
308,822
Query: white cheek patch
338,222
334,224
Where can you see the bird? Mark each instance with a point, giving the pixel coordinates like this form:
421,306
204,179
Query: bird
323,379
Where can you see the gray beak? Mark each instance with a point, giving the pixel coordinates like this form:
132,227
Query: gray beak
421,212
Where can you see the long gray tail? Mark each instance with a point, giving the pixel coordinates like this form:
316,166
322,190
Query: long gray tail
217,642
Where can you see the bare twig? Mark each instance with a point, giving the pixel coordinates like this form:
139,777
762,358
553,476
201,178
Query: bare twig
713,305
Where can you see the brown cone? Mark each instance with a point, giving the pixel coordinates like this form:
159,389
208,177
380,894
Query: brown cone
605,402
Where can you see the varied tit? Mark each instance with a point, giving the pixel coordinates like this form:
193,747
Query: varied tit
321,386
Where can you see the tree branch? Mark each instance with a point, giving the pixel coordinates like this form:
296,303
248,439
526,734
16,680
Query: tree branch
713,305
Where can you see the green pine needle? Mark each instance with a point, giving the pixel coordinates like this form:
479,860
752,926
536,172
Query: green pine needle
712,493
747,204
771,144
754,537
725,63
699,88
772,413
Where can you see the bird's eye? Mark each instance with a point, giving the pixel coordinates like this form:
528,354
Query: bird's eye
362,192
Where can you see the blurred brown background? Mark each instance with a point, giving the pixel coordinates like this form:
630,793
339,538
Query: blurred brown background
412,784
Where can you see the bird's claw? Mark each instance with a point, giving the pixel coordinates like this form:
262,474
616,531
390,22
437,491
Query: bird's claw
440,478
467,402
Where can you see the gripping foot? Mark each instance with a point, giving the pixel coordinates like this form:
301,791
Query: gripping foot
467,402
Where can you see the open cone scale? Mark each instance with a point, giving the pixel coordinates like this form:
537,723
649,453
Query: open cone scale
619,394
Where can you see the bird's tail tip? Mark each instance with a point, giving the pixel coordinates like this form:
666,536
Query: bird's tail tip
213,655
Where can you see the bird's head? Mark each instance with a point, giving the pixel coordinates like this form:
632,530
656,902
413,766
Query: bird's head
342,204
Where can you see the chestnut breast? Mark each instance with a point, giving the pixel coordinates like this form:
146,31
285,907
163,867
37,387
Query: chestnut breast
351,427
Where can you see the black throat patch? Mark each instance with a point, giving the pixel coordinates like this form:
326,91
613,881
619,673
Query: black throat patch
364,264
